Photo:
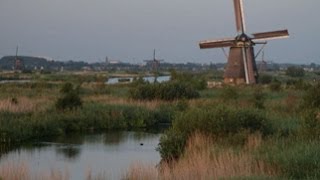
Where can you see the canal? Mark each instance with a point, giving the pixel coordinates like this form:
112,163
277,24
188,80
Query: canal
110,154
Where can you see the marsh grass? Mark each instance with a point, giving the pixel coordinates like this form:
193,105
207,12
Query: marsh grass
204,159
23,104
22,171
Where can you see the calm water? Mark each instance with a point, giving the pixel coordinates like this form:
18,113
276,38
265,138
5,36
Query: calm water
110,154
148,79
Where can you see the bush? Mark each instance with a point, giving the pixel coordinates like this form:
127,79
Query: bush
70,98
218,122
294,71
230,93
259,98
295,160
168,91
311,98
265,79
275,85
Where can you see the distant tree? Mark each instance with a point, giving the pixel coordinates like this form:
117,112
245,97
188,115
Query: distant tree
294,71
265,79
70,98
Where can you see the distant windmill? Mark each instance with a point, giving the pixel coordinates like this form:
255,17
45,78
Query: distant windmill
241,67
155,63
18,62
263,64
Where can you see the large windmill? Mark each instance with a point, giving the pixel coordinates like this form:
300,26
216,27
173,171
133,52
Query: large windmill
241,67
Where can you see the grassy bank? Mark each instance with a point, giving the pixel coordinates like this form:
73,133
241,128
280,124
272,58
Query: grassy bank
251,132
92,116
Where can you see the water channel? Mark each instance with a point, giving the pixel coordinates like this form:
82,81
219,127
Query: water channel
110,154
149,79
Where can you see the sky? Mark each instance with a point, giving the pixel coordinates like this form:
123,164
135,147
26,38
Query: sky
129,30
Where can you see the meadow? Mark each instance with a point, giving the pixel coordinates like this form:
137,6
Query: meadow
265,131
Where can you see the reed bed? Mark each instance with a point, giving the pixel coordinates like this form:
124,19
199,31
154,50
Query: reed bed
204,160
108,99
24,104
22,171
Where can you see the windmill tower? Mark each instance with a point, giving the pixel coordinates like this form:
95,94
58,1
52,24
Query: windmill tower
241,67
18,63
155,63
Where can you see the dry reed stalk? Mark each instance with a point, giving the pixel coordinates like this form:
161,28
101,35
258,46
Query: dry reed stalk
14,171
105,99
23,104
21,171
202,161
139,171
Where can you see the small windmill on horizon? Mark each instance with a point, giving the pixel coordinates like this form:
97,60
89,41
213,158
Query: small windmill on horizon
154,63
18,62
241,67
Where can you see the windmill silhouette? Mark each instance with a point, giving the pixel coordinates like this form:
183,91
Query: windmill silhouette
155,63
18,62
241,67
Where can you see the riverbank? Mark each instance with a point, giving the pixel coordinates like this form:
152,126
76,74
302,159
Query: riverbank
282,117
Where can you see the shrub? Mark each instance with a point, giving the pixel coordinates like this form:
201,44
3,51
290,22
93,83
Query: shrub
219,122
70,98
259,98
311,98
275,85
295,160
230,93
168,91
265,79
294,71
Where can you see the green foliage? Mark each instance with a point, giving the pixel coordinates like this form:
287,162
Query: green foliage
311,98
310,128
17,127
259,98
165,91
70,98
196,81
265,79
294,71
230,93
298,84
295,159
275,85
218,122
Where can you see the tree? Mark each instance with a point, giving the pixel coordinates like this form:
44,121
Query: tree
70,98
294,71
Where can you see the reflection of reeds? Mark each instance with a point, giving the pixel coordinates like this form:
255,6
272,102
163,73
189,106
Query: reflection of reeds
202,161
21,171
22,104
14,171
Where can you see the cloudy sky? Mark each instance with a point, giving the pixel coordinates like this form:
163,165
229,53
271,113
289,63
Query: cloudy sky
129,30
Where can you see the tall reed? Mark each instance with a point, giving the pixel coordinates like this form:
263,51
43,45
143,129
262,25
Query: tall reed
204,160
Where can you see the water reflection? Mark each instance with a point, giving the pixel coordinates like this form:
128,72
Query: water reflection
111,153
114,138
69,152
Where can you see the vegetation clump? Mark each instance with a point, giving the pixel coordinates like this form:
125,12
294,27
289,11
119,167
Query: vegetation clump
70,98
218,122
294,71
168,91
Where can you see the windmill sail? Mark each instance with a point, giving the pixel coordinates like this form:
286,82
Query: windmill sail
271,35
217,43
239,13
241,67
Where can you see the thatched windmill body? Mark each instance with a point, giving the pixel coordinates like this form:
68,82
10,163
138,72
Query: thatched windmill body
241,67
